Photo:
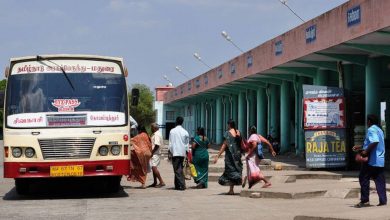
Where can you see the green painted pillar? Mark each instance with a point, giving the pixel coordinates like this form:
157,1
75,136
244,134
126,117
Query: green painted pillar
321,78
218,120
235,108
261,108
373,72
212,120
285,117
274,111
202,115
241,123
227,112
299,133
252,108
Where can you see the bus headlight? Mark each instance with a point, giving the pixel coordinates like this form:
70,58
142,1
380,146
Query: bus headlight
115,150
29,152
103,151
16,152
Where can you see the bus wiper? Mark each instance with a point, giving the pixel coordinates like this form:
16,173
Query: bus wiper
40,58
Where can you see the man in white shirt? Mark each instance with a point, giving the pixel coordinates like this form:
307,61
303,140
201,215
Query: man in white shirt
178,145
157,144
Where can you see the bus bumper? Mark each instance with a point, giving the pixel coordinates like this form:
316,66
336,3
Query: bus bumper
90,168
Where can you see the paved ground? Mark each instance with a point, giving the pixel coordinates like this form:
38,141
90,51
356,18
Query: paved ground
80,202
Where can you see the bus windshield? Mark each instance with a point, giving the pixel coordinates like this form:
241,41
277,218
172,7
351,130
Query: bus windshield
47,99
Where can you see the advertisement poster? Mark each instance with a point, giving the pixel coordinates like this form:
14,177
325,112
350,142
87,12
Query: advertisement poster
325,148
324,124
323,107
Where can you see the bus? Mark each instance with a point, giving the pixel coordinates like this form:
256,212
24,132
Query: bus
66,116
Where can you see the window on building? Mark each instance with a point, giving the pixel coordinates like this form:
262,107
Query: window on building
219,73
249,60
170,115
233,68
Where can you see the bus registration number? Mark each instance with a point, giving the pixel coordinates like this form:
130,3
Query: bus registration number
64,171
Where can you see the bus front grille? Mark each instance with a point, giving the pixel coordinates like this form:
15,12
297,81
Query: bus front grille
66,148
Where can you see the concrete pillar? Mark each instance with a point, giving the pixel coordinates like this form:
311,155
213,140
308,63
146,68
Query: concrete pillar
285,117
274,112
321,78
241,114
261,108
202,115
235,108
373,72
299,132
218,120
212,121
252,108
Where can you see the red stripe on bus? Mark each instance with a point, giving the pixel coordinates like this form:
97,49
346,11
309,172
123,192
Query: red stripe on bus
42,169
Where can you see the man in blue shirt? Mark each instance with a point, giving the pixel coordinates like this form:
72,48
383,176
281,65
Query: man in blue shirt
374,149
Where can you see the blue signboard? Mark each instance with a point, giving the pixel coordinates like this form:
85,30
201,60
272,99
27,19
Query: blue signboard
278,48
311,34
354,16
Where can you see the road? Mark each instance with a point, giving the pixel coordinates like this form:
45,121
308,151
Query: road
82,201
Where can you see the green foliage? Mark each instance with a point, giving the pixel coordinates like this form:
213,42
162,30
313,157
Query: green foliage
143,113
2,84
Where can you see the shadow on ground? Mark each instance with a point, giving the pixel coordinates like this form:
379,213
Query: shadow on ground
64,189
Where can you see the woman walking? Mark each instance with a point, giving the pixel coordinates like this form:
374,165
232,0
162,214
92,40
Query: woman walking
255,154
140,157
200,159
233,165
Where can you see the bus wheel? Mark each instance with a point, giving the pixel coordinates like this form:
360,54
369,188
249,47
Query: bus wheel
113,184
22,186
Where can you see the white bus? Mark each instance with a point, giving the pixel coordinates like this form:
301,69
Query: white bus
66,116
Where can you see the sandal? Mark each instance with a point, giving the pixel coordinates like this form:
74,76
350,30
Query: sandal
362,204
266,185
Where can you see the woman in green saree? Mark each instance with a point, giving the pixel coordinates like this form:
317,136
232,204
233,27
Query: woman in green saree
200,159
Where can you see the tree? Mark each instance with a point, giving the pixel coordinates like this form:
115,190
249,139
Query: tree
143,113
2,84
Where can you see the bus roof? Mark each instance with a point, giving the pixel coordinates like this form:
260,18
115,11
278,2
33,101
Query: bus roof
71,56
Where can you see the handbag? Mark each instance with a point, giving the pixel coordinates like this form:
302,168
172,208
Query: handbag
244,145
186,170
194,173
360,159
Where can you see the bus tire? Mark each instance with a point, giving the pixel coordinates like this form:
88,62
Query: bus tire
22,186
113,184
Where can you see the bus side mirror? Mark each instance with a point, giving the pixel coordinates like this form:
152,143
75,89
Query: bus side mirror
126,72
6,72
134,97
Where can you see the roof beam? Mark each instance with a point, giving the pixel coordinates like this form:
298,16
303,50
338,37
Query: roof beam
244,85
330,65
256,84
383,32
301,71
287,77
372,48
352,58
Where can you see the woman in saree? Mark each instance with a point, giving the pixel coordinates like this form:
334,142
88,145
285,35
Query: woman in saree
255,154
140,156
232,176
200,159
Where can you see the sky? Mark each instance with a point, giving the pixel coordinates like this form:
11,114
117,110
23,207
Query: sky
153,36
